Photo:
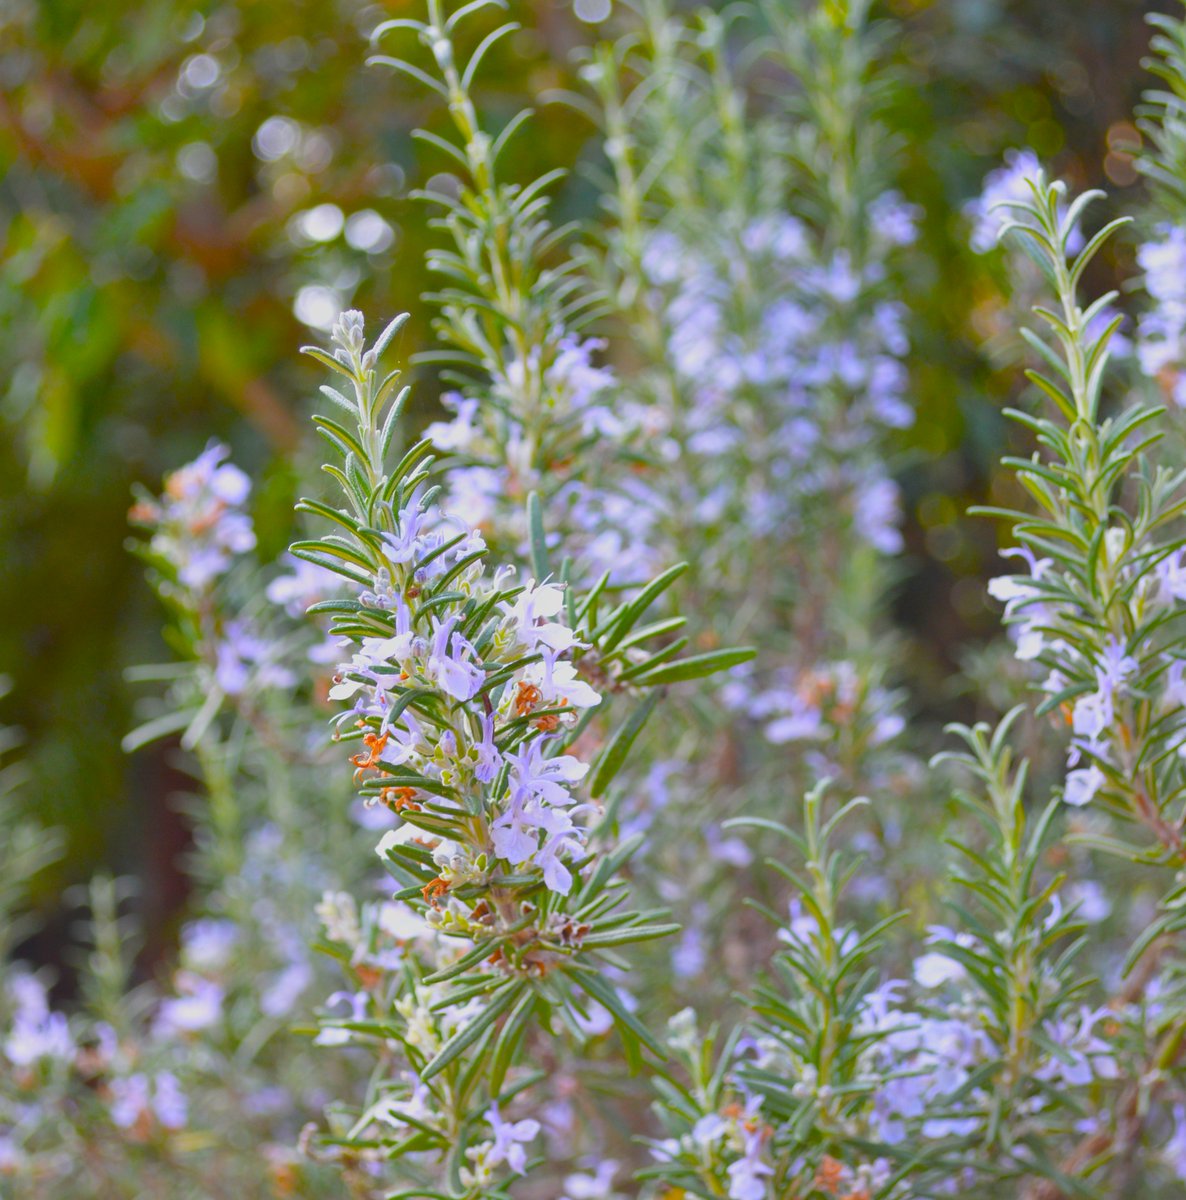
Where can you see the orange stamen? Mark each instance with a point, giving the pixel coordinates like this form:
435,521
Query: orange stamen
526,699
399,798
375,746
829,1176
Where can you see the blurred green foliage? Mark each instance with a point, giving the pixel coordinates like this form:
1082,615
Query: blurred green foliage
176,177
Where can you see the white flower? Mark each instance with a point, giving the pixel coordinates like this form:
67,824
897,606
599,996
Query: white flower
1082,785
932,970
339,916
592,1187
528,617
558,683
401,922
397,1111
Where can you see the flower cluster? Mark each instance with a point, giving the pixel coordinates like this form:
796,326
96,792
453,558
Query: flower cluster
535,411
72,1078
199,524
826,705
1100,604
199,531
468,695
1009,184
500,463
1161,332
802,382
759,294
532,822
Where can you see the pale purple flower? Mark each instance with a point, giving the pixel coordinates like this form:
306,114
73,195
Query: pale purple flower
474,493
417,1106
748,1173
663,257
197,1007
1025,611
515,834
1092,716
489,759
537,802
1082,785
690,955
405,740
377,659
306,584
36,1031
1083,1056
450,662
1171,575
169,1102
406,543
285,989
934,969
838,279
573,374
206,943
1173,1153
509,1137
557,876
597,1020
200,525
802,930
799,719
893,220
709,1129
457,434
129,1099
356,1004
779,234
1162,330
877,511
731,850
243,659
544,778
1115,666
1007,184
138,1095
1089,900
